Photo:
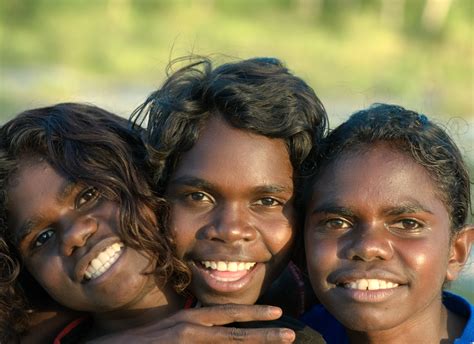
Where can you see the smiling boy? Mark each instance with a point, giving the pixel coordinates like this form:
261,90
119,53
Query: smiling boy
228,144
385,230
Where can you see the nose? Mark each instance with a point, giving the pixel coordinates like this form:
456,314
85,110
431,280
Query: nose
76,233
231,223
369,242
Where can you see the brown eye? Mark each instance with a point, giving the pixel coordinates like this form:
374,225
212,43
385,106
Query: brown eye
407,225
87,197
268,202
199,197
43,237
335,224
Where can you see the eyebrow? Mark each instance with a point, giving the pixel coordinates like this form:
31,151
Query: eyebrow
332,208
27,227
66,190
207,186
411,207
193,181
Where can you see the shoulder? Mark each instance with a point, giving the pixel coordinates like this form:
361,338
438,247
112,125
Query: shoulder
319,319
463,308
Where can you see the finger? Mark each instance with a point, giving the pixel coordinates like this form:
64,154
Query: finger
223,314
187,333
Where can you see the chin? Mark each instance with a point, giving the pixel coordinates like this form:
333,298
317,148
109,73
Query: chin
213,299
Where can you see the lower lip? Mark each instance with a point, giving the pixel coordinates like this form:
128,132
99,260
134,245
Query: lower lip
369,295
109,271
216,279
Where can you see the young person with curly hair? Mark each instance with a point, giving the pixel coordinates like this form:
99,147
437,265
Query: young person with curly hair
228,145
79,221
386,230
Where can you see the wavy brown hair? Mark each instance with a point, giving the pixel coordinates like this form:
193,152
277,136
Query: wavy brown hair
89,145
258,95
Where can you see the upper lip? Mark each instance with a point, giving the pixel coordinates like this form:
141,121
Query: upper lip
85,260
351,275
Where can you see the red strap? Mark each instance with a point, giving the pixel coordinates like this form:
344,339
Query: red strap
189,303
72,325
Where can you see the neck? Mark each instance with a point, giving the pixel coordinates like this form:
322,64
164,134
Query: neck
158,305
434,325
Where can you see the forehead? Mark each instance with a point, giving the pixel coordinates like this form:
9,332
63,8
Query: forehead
34,187
376,174
222,151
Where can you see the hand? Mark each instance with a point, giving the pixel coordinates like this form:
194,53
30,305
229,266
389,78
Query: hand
204,325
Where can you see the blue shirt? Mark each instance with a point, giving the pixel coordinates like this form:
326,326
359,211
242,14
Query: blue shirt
334,333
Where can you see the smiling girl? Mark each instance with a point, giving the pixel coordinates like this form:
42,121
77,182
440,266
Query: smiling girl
386,230
79,218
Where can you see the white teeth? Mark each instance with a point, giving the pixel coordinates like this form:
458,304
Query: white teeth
227,266
232,266
221,266
103,257
103,261
370,284
96,263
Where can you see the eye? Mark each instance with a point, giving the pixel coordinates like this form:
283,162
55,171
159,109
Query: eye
336,224
267,202
198,197
407,225
87,197
43,237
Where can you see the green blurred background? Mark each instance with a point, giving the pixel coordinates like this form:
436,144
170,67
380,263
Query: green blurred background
113,53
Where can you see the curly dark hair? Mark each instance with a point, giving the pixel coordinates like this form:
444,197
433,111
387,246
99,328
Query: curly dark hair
89,145
259,95
413,134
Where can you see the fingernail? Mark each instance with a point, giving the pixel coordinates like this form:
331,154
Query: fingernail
288,335
274,310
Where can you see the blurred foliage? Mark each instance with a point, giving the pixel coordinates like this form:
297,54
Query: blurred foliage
353,52
349,51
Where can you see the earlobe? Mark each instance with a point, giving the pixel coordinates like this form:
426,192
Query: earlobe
460,249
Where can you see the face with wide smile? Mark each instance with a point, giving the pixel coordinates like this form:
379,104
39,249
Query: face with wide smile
67,236
377,239
232,212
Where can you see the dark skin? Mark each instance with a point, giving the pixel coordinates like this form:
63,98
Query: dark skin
379,248
192,325
232,212
64,232
265,200
237,210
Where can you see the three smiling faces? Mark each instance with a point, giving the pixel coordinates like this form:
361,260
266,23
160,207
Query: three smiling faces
238,155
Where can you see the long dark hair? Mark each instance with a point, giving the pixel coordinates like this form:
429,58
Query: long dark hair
259,95
87,144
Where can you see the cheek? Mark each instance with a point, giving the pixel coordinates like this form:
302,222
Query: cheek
183,231
49,274
321,257
279,236
428,259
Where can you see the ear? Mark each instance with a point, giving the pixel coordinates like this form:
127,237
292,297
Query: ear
460,249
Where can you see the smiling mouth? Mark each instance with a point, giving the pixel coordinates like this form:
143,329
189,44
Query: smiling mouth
227,266
368,284
219,272
104,260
